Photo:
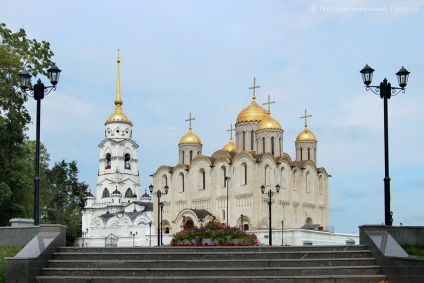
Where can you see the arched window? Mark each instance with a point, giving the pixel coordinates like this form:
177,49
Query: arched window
308,182
188,224
252,138
301,154
246,227
182,181
106,193
243,174
108,161
204,179
267,175
272,145
244,140
191,155
263,145
128,193
127,158
224,176
309,153
183,156
166,230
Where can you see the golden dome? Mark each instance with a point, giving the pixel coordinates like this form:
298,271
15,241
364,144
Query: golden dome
269,123
252,113
306,135
190,138
118,117
230,146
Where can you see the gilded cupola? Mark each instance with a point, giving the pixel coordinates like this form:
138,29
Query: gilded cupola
190,137
269,123
306,135
118,115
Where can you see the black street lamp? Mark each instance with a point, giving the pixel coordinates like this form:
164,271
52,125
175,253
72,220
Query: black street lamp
227,179
385,90
133,235
159,194
242,226
38,91
150,233
282,232
161,220
84,235
277,188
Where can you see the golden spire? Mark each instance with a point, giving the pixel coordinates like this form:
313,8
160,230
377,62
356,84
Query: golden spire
254,87
118,115
118,101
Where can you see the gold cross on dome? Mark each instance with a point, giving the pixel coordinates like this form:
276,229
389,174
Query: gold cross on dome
231,130
269,103
189,120
305,117
254,87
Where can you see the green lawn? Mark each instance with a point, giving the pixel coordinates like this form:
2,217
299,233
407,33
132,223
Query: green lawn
7,251
416,250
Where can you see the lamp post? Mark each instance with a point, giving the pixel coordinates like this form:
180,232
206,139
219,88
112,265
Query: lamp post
282,232
227,179
133,235
84,235
38,91
242,226
159,194
385,90
161,219
150,233
277,188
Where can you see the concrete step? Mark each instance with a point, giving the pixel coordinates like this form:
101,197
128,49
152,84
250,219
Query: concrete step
210,255
186,264
218,279
218,249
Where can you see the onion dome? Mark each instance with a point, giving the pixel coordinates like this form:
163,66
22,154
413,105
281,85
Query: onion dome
190,138
230,146
269,123
252,113
306,135
118,115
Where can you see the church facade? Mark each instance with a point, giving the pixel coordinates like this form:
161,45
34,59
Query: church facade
227,186
116,216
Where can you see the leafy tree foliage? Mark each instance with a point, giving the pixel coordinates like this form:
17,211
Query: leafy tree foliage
66,197
16,52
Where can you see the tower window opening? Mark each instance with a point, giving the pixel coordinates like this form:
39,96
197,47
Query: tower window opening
244,140
272,145
252,138
127,161
108,161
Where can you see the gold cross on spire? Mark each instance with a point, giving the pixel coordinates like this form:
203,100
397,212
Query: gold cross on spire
305,117
254,87
269,103
189,120
231,130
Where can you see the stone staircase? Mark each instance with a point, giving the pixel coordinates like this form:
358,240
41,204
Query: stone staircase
213,264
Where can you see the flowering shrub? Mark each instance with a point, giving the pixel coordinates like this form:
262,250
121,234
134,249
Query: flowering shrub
219,233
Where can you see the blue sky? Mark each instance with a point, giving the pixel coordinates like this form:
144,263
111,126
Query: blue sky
201,57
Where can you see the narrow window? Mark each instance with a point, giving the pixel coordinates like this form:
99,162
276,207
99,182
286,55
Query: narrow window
224,170
127,161
252,138
272,145
182,181
244,140
309,153
108,161
263,145
245,174
301,154
204,180
191,155
183,156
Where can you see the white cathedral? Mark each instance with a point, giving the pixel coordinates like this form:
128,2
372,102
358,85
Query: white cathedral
234,185
116,216
228,185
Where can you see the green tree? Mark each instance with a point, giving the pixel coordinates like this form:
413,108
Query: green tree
67,198
16,52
